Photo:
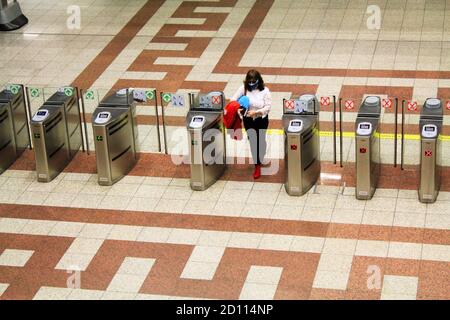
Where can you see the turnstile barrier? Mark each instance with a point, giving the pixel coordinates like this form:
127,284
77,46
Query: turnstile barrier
115,132
14,131
56,133
207,150
302,144
430,128
367,147
11,16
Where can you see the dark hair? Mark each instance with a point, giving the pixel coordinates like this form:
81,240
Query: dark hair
252,76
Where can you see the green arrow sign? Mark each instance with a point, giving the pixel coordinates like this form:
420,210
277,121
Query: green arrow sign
34,92
150,94
68,91
89,95
167,97
15,89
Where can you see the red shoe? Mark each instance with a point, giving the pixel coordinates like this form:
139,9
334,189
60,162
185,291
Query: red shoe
257,172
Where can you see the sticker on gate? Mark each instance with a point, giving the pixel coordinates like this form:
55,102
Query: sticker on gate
177,100
216,100
428,153
325,101
289,104
412,105
448,105
386,103
349,105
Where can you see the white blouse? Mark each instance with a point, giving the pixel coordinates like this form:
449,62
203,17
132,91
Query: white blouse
260,101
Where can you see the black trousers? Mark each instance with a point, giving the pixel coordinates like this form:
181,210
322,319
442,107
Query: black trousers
256,133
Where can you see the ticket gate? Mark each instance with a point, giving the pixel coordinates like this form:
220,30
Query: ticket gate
206,139
430,126
56,134
302,145
367,141
14,137
115,131
11,16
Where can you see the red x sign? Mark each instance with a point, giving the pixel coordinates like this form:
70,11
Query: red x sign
387,103
412,105
289,104
448,105
428,153
325,101
216,100
349,104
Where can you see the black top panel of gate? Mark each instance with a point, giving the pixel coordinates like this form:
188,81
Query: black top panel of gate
432,108
122,98
6,96
212,101
371,107
58,98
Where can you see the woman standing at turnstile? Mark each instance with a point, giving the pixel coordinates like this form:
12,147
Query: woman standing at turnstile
256,117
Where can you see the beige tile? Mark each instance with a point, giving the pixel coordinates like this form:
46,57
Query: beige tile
120,232
228,208
114,202
337,280
207,254
372,248
142,204
85,294
316,214
85,246
351,216
199,270
379,217
95,231
154,234
257,291
136,266
150,191
3,287
50,293
327,201
199,207
126,283
118,295
74,262
38,227
184,236
66,229
15,258
339,246
60,199
170,205
307,244
11,225
435,252
214,238
405,250
335,262
399,285
264,275
253,210
276,242
245,240
285,212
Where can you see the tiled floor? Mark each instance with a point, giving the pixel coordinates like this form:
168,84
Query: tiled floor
150,236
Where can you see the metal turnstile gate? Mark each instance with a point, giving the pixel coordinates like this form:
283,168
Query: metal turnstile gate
116,141
14,132
367,141
430,126
56,134
206,139
302,145
11,16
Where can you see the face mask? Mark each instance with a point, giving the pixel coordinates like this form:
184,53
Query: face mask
253,85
